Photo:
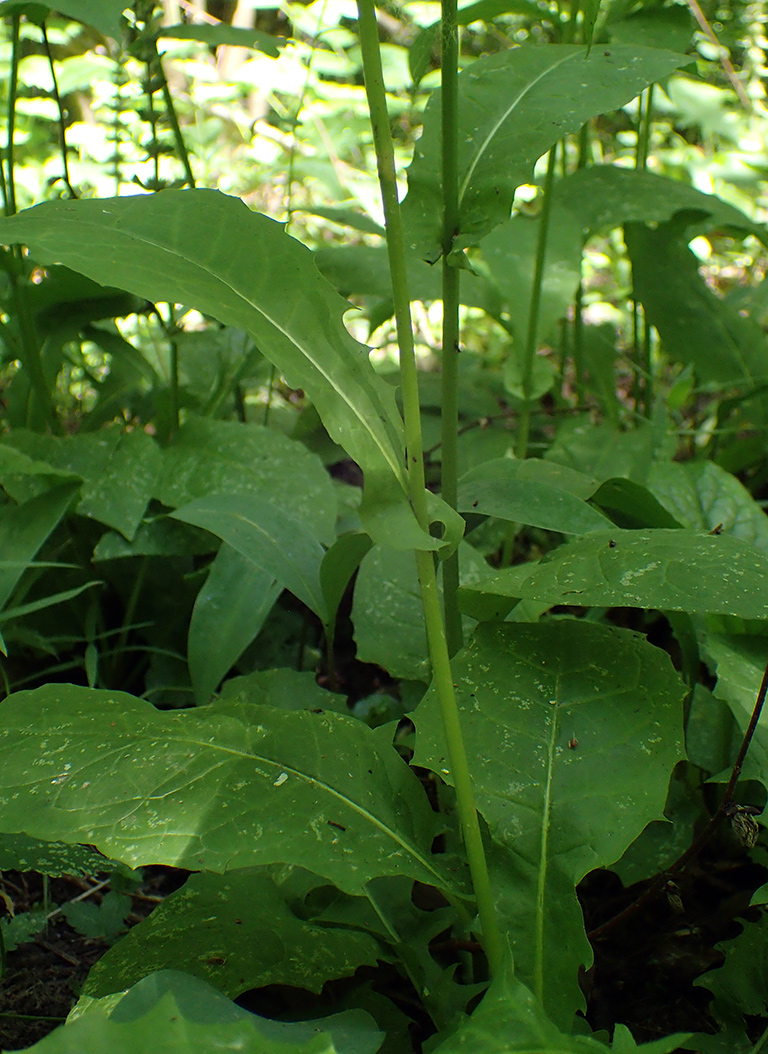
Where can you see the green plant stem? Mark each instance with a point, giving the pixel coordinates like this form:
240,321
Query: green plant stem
529,352
29,350
10,182
435,628
60,113
451,278
178,138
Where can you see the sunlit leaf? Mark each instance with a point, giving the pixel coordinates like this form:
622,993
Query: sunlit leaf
213,788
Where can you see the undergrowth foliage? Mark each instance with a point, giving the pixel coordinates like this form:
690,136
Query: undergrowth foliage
393,709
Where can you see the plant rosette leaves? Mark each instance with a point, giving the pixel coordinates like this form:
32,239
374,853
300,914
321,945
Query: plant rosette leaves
209,251
675,570
572,730
513,106
181,1014
215,788
236,932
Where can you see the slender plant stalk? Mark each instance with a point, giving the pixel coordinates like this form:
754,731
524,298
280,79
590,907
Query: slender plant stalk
29,351
60,113
435,629
451,278
529,352
641,336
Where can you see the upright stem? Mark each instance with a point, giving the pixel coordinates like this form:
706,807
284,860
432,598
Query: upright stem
449,101
435,629
29,350
60,111
529,352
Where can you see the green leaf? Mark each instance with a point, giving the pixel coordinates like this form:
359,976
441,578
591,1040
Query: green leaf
226,457
283,688
572,730
387,611
230,609
236,932
24,528
180,1014
270,538
676,570
701,494
695,325
19,852
339,564
207,250
214,788
533,492
102,921
221,34
740,661
513,106
510,1020
104,15
20,610
119,470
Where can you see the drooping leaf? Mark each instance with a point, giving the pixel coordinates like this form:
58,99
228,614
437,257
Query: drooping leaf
739,986
213,788
19,852
230,609
226,457
513,106
572,730
270,538
739,662
207,250
676,570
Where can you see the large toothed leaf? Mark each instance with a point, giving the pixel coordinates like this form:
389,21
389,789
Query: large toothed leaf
214,788
237,932
572,730
670,570
513,106
207,250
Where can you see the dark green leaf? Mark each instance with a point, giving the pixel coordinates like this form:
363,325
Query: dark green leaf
236,932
